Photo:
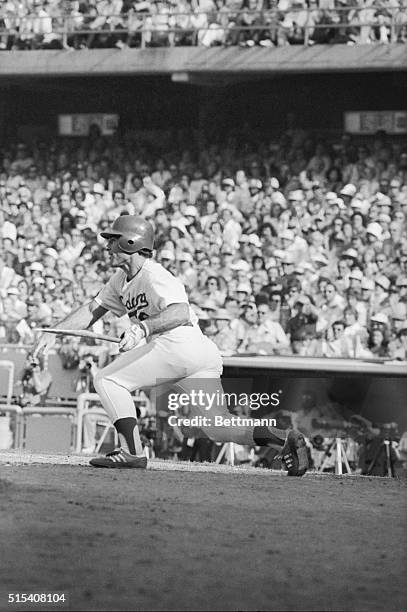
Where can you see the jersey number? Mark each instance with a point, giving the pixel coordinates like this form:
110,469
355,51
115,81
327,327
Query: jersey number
136,305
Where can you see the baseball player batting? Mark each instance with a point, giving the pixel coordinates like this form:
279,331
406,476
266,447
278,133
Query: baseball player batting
175,349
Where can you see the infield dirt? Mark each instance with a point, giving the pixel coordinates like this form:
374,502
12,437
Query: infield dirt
193,540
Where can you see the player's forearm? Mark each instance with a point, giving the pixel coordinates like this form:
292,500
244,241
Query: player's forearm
173,316
82,318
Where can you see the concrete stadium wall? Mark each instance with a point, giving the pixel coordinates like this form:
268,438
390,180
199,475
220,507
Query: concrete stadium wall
197,61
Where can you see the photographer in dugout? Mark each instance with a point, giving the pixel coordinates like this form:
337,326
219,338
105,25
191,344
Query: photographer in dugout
36,381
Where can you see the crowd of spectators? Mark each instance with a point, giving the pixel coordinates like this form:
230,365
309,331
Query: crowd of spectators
78,24
293,246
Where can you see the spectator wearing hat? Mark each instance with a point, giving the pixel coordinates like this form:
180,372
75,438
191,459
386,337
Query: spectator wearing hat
227,194
232,229
8,277
243,293
209,307
355,280
315,204
17,307
288,276
179,235
332,307
294,245
305,274
302,323
347,193
241,266
367,291
39,314
36,271
383,202
226,338
398,320
8,229
401,284
187,274
380,320
320,263
191,217
166,258
384,220
374,235
255,197
272,186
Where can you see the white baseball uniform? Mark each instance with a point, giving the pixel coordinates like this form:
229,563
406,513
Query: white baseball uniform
179,356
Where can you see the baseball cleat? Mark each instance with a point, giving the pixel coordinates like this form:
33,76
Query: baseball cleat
119,459
294,454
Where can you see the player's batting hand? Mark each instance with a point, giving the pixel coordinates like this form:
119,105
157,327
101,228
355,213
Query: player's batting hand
44,343
131,338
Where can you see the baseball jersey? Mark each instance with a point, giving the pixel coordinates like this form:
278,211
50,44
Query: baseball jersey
145,295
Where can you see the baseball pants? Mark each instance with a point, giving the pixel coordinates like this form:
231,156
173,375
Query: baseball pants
174,359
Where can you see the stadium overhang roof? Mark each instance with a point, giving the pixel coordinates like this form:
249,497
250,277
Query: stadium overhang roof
213,66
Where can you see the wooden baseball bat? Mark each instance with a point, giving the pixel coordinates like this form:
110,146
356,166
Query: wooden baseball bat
82,333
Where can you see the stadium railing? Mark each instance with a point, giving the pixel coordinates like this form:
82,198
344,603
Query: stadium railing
7,408
169,28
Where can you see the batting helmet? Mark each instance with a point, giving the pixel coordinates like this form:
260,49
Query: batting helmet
134,233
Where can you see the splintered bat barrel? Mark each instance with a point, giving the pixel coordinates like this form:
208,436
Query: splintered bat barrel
81,333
